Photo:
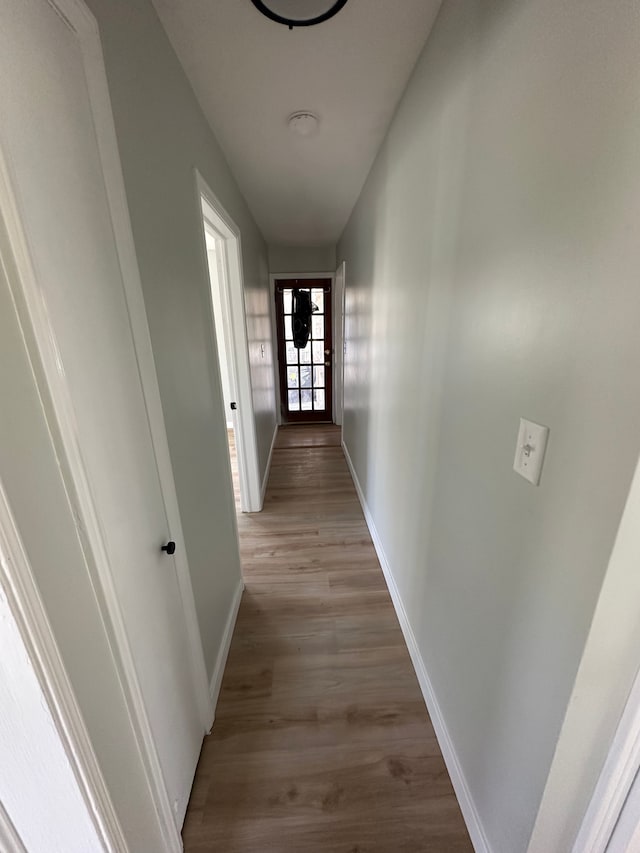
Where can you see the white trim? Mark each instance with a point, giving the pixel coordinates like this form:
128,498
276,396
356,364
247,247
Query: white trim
223,653
338,295
19,585
267,470
216,217
10,841
598,742
625,837
619,771
465,800
303,275
274,349
274,333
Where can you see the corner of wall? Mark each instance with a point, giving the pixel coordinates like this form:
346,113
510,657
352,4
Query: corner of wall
223,652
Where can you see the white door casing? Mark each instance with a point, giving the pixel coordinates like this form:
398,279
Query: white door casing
218,221
10,841
338,343
612,820
62,198
625,837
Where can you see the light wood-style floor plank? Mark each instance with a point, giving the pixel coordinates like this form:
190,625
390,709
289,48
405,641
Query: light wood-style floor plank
322,743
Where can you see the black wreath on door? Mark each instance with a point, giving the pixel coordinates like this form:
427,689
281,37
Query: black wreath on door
301,319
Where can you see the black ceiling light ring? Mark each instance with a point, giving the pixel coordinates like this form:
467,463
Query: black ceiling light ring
277,10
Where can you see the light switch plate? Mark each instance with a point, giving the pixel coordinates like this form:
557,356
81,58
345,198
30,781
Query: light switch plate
530,450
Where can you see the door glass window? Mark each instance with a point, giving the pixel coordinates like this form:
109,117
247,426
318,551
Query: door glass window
307,400
306,371
293,374
294,401
306,375
305,355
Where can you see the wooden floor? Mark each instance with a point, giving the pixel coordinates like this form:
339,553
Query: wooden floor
321,742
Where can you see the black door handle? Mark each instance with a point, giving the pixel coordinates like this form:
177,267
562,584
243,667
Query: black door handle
170,547
234,406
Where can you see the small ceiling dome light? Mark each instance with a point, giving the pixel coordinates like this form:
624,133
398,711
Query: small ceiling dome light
303,123
299,13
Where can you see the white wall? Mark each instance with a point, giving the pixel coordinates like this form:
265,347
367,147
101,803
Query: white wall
302,258
38,790
163,136
492,264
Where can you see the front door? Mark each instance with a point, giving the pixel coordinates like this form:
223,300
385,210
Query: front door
305,373
79,309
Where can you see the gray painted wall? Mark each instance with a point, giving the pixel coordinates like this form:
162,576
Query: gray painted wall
302,258
163,136
492,273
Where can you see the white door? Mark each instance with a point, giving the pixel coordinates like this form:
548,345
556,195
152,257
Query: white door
48,141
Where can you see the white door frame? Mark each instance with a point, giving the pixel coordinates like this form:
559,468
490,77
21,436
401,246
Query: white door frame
625,837
32,311
603,714
616,779
338,346
216,218
274,334
18,585
10,841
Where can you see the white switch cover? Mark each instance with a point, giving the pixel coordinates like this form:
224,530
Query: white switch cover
532,443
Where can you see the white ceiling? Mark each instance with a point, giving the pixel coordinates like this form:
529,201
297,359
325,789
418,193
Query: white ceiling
250,74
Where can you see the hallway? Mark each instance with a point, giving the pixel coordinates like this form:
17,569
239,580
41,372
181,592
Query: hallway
321,741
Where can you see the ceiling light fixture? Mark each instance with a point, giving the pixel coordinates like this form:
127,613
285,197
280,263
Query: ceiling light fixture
303,123
299,13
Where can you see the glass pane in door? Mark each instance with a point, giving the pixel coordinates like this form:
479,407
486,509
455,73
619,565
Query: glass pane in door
294,401
307,400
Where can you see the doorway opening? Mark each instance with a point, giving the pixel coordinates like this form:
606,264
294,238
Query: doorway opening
216,260
224,263
305,365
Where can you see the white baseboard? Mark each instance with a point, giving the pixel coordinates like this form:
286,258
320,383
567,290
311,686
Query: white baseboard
267,470
221,660
467,806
